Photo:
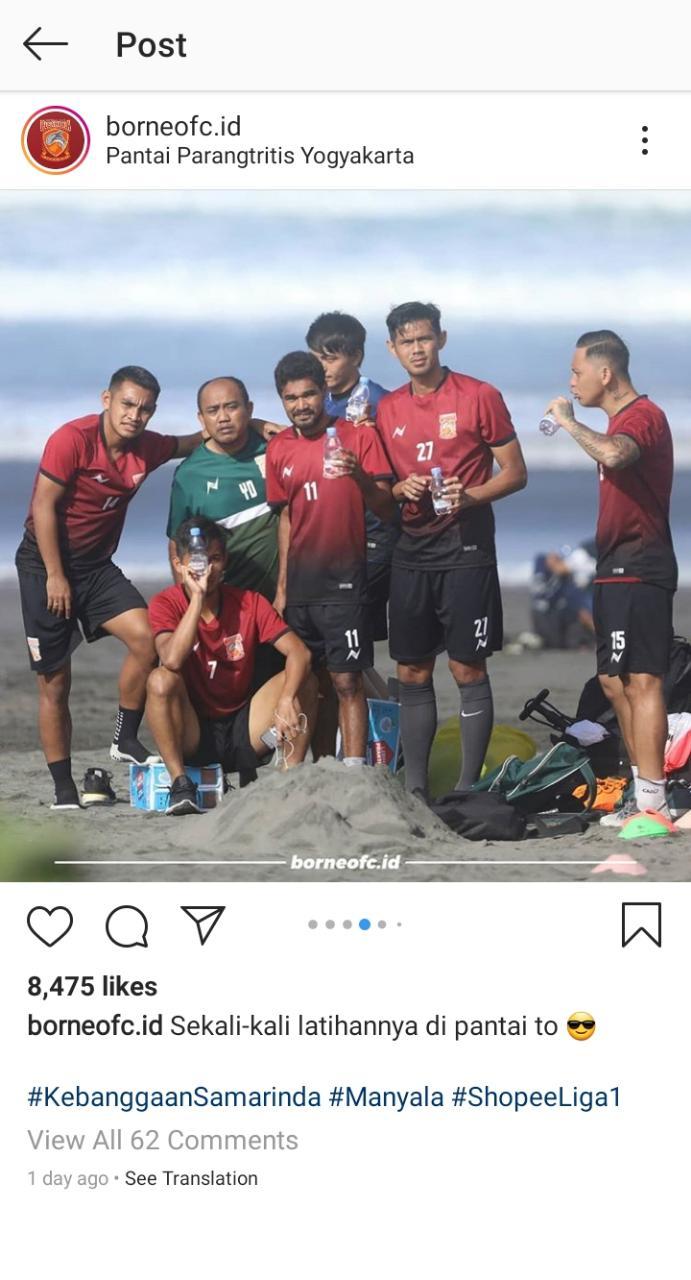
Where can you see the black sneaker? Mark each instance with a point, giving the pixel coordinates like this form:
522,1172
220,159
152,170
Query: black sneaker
132,751
66,798
183,797
97,788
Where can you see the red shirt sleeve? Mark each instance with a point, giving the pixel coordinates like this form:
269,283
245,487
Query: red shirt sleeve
496,427
158,449
62,455
372,454
640,425
275,493
164,612
270,625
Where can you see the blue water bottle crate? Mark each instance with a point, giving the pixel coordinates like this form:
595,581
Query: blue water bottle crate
150,784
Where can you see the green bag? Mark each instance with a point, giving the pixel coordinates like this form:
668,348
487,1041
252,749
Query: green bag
545,782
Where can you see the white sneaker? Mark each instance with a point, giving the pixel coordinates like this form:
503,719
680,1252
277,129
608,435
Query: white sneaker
618,817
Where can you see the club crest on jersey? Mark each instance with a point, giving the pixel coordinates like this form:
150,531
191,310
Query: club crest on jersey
212,486
447,426
235,649
287,471
138,475
260,464
399,431
100,478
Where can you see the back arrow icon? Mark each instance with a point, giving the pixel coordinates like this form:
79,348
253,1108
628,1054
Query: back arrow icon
31,43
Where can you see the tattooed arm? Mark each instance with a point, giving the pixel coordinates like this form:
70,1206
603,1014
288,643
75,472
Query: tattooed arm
614,452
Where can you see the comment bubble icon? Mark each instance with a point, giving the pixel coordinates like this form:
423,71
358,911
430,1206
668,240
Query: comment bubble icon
127,926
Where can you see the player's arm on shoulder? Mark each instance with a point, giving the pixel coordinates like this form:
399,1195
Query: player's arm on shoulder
266,429
44,508
187,444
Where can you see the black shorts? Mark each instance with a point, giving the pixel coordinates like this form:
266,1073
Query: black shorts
378,585
226,742
633,627
337,635
99,594
458,610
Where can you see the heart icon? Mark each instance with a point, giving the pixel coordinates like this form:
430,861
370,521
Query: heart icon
50,924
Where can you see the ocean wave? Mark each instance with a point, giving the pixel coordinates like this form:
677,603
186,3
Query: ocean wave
210,290
356,204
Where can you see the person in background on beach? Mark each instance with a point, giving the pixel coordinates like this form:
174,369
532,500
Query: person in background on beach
90,470
636,569
199,704
322,558
444,585
338,342
561,597
224,480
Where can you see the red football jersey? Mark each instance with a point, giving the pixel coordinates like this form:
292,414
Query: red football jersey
455,428
633,537
218,673
92,509
327,553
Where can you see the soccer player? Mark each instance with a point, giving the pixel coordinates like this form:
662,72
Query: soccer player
637,569
338,342
199,705
322,577
224,480
90,470
444,586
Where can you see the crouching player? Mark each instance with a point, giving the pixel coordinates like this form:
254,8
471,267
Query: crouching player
198,700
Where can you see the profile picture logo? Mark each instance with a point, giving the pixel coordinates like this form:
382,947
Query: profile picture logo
55,140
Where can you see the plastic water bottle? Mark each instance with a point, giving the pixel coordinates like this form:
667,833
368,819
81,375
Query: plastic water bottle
440,501
332,455
199,560
358,406
548,425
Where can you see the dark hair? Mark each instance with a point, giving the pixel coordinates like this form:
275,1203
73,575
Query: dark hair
140,377
335,333
223,377
296,366
409,312
606,345
210,531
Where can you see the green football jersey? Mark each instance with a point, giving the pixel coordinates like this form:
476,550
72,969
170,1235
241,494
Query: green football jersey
231,491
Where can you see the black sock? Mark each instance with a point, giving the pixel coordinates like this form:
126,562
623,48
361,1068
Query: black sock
127,725
477,719
65,786
418,727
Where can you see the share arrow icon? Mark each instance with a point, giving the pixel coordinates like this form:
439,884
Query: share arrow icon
205,918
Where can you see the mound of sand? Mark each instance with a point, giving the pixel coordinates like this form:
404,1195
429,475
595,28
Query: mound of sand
323,809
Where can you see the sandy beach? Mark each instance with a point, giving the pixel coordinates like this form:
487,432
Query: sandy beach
317,812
